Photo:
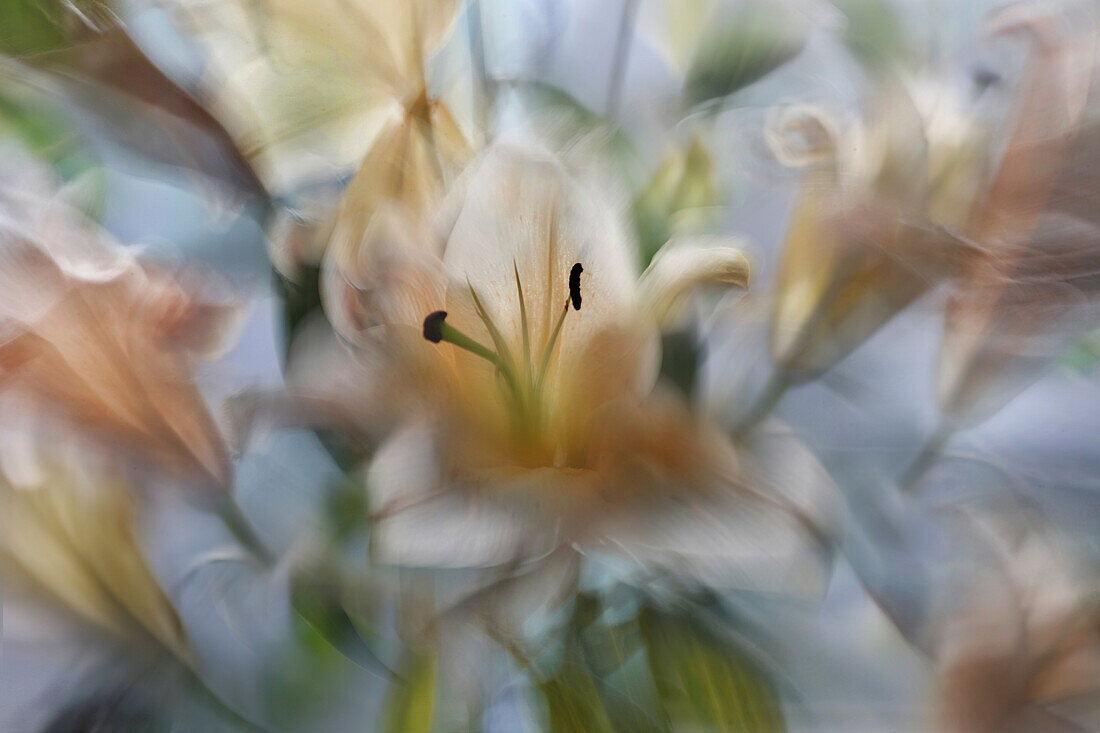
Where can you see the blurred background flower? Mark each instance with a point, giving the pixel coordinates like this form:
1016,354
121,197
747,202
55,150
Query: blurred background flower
396,365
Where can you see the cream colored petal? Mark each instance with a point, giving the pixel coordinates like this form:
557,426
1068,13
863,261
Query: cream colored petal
524,212
420,520
401,165
890,152
801,134
682,267
30,281
297,84
743,544
194,309
400,183
1014,624
1052,100
414,29
392,277
676,27
844,273
755,519
1005,327
77,546
458,531
102,364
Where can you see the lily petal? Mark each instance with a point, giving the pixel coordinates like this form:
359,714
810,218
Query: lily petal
77,546
421,522
681,267
526,214
110,346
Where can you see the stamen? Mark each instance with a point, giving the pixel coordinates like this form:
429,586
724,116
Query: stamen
433,326
575,286
437,329
549,350
574,299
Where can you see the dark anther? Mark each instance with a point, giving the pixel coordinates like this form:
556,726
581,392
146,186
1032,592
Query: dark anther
575,286
433,326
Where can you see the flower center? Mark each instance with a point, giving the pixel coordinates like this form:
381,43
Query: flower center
523,380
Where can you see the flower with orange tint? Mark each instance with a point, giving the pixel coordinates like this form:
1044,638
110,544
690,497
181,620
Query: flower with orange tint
1031,287
92,336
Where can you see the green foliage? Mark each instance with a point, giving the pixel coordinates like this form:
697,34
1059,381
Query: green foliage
653,672
326,623
703,682
36,26
874,34
301,299
412,700
573,702
44,132
1084,354
680,195
740,46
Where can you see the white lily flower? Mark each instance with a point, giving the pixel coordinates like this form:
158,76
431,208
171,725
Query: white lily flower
524,366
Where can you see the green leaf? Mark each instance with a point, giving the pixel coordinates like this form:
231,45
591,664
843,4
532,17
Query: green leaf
679,198
35,26
739,47
680,357
614,658
705,683
573,702
326,625
1084,354
874,33
412,701
45,132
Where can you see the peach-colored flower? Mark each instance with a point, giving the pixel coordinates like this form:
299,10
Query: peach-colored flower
106,343
1017,631
1030,286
